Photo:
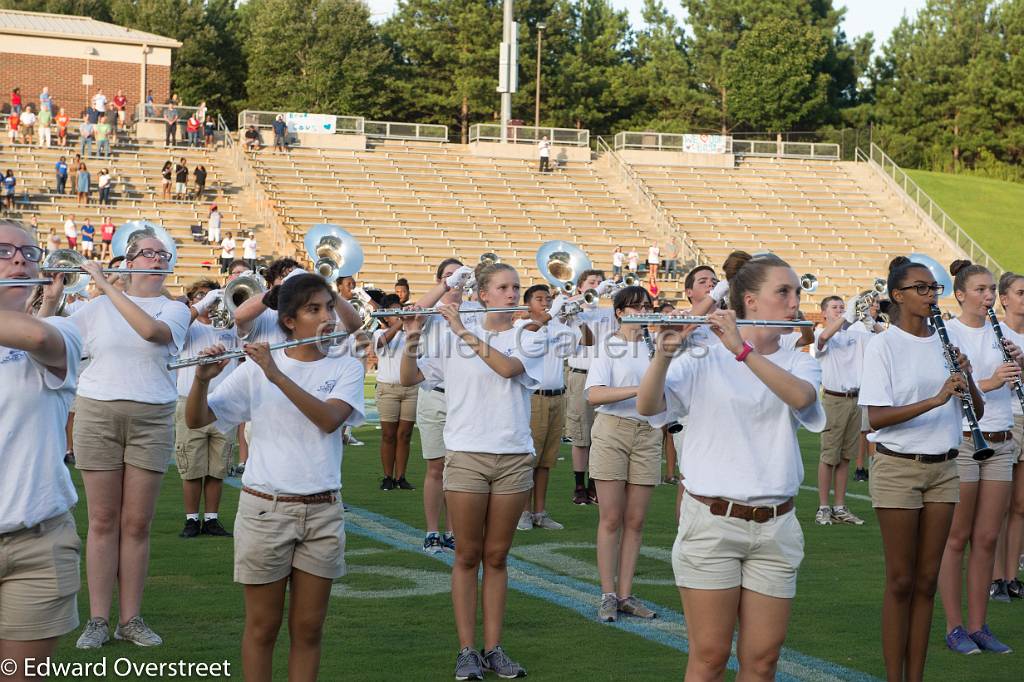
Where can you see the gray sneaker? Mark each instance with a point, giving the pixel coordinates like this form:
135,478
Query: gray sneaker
823,517
609,609
844,515
469,665
137,632
631,606
525,521
95,634
498,662
542,520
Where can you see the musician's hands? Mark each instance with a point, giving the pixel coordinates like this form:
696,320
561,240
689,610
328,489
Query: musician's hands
212,297
723,325
413,324
1006,371
450,312
671,338
209,371
557,306
55,289
260,354
955,385
963,361
95,270
1014,351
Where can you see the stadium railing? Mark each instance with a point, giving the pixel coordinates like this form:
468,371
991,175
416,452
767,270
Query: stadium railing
491,132
789,150
394,130
664,142
264,120
923,205
644,196
155,112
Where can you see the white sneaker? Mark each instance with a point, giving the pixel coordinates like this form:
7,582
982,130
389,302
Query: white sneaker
525,521
95,634
137,632
844,515
542,520
824,516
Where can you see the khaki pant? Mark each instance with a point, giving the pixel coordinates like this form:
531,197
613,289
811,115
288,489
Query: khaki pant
841,437
431,413
898,483
998,467
199,452
487,473
579,414
108,434
625,450
547,416
396,402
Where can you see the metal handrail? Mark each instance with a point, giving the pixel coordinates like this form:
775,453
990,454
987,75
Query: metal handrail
790,150
491,132
925,207
344,125
222,126
672,142
645,195
397,130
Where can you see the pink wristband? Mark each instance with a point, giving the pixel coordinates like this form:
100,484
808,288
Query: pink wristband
742,355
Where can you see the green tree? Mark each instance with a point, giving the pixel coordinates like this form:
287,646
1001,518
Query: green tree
96,9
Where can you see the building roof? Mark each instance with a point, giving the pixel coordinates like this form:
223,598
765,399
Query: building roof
79,28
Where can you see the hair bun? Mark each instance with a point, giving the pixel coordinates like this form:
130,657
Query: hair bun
270,299
734,262
897,262
958,265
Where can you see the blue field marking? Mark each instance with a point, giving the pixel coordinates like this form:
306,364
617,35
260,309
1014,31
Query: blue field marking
668,629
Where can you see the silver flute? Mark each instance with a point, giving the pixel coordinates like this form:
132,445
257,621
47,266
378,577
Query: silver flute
24,282
677,320
400,312
71,270
232,354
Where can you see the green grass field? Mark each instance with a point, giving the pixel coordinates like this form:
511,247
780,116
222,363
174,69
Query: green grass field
992,211
372,634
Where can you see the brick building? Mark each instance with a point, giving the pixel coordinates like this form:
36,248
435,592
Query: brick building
75,56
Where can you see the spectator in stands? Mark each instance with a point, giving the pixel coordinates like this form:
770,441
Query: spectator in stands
33,226
280,134
165,178
10,183
252,138
150,109
402,290
82,183
193,127
544,150
210,132
171,125
53,243
121,109
28,125
45,101
44,120
670,258
104,184
618,260
85,135
213,226
91,114
88,237
653,261
633,261
71,232
102,133
106,237
227,252
249,251
200,178
16,101
13,121
99,102
61,170
181,179
62,127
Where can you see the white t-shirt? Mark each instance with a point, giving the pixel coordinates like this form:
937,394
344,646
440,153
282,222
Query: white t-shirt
486,412
287,452
982,348
227,248
34,482
902,369
265,329
389,357
249,249
200,337
633,259
125,366
842,358
602,324
99,102
553,343
653,255
741,439
215,220
70,229
788,341
545,148
618,258
1018,339
104,180
28,118
620,363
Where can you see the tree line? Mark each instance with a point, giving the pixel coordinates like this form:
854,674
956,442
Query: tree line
942,92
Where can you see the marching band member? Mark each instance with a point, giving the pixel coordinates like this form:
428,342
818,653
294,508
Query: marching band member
625,455
201,454
984,486
739,544
395,403
911,400
290,529
488,470
1008,549
839,347
124,432
867,449
39,546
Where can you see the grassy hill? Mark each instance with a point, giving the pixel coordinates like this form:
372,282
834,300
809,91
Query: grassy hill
991,211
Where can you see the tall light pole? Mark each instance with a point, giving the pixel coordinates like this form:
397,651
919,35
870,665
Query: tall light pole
536,106
507,68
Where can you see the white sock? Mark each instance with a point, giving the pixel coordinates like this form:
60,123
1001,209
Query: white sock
209,517
191,517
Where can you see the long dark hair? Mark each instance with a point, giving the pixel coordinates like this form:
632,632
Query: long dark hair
296,292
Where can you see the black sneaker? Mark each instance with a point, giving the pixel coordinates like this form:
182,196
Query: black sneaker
213,527
860,475
1015,589
404,484
191,529
592,491
387,483
997,591
580,496
69,458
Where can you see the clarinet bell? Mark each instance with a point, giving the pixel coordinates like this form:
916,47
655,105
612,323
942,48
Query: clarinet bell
982,451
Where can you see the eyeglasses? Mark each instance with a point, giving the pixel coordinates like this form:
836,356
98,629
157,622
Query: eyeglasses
33,254
165,256
644,308
923,289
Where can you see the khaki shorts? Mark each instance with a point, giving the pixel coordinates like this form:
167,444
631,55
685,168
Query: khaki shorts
579,414
431,413
109,434
720,553
396,402
1018,435
865,425
841,437
487,473
547,416
625,450
898,483
199,452
39,580
998,467
272,538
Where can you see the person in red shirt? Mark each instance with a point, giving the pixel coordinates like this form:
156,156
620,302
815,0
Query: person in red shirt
121,106
106,236
62,127
193,127
16,101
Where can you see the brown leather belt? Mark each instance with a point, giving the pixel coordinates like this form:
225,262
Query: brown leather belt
924,459
840,394
993,436
578,370
326,497
722,507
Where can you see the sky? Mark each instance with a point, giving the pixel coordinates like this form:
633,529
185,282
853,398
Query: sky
862,16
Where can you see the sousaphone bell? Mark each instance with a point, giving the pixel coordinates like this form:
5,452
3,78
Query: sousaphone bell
561,263
335,253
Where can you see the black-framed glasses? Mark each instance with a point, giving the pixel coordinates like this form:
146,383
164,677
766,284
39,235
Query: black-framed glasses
32,254
923,289
165,256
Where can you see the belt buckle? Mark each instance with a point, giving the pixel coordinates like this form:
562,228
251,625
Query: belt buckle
762,514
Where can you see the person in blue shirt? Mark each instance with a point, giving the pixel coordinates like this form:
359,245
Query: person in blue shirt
62,175
9,182
280,134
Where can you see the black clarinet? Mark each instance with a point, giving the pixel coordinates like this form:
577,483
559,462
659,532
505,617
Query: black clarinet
1018,388
981,449
673,426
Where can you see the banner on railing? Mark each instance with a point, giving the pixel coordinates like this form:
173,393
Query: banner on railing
706,144
321,124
